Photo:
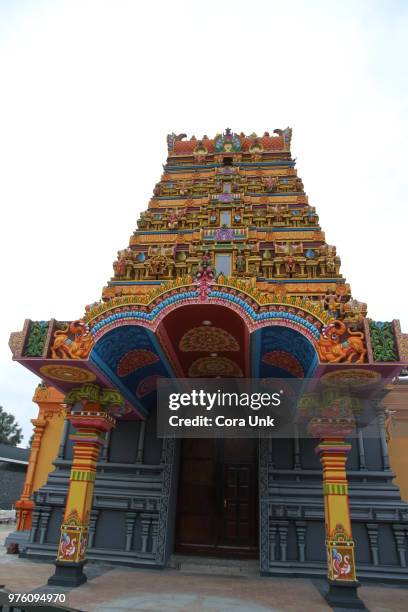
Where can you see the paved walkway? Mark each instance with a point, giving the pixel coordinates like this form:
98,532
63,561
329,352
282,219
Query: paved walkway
116,589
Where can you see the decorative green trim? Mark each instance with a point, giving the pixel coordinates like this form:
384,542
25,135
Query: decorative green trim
111,397
108,398
335,489
36,339
83,475
383,341
88,391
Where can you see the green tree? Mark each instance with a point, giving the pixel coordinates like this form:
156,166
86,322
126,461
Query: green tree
10,432
30,442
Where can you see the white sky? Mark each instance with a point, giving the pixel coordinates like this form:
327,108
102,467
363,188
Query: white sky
89,91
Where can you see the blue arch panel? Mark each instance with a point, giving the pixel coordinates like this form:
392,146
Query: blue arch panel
300,352
132,359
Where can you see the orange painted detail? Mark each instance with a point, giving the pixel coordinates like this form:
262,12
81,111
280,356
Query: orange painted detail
73,341
268,143
44,447
339,539
89,437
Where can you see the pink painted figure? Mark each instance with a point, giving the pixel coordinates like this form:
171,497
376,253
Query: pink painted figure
67,546
341,565
204,276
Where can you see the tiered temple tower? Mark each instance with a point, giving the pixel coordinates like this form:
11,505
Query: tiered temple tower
238,200
228,273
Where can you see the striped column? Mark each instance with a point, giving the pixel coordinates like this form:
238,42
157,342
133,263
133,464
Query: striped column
339,539
50,411
90,418
333,420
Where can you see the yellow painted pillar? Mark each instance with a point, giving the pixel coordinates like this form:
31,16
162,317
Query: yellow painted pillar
44,448
396,430
339,539
334,420
91,418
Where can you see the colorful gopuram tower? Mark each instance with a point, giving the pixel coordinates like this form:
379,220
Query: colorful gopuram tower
227,274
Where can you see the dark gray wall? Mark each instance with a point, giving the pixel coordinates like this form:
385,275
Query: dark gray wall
135,505
292,532
133,487
12,476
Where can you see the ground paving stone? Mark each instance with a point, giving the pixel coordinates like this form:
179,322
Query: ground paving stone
111,589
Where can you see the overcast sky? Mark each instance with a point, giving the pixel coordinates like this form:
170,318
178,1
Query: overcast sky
89,90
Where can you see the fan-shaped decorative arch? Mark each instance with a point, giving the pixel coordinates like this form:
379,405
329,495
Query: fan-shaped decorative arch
203,338
214,366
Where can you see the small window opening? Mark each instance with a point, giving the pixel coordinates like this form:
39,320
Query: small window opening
227,161
225,217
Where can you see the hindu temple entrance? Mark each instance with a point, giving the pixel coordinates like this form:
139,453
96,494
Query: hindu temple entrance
217,507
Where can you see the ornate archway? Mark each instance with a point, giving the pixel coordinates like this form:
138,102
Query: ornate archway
229,254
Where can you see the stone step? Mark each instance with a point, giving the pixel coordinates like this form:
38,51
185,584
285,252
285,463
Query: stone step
214,566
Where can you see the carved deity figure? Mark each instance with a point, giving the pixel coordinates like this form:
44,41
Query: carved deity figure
119,265
332,303
354,311
279,213
183,189
200,152
299,185
157,264
173,220
256,156
289,248
330,265
128,260
328,250
160,260
240,263
290,264
311,215
270,183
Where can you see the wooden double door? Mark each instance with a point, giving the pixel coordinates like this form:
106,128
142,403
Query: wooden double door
217,506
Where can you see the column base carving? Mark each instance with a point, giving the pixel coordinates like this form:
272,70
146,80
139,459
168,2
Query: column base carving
24,509
344,595
68,574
